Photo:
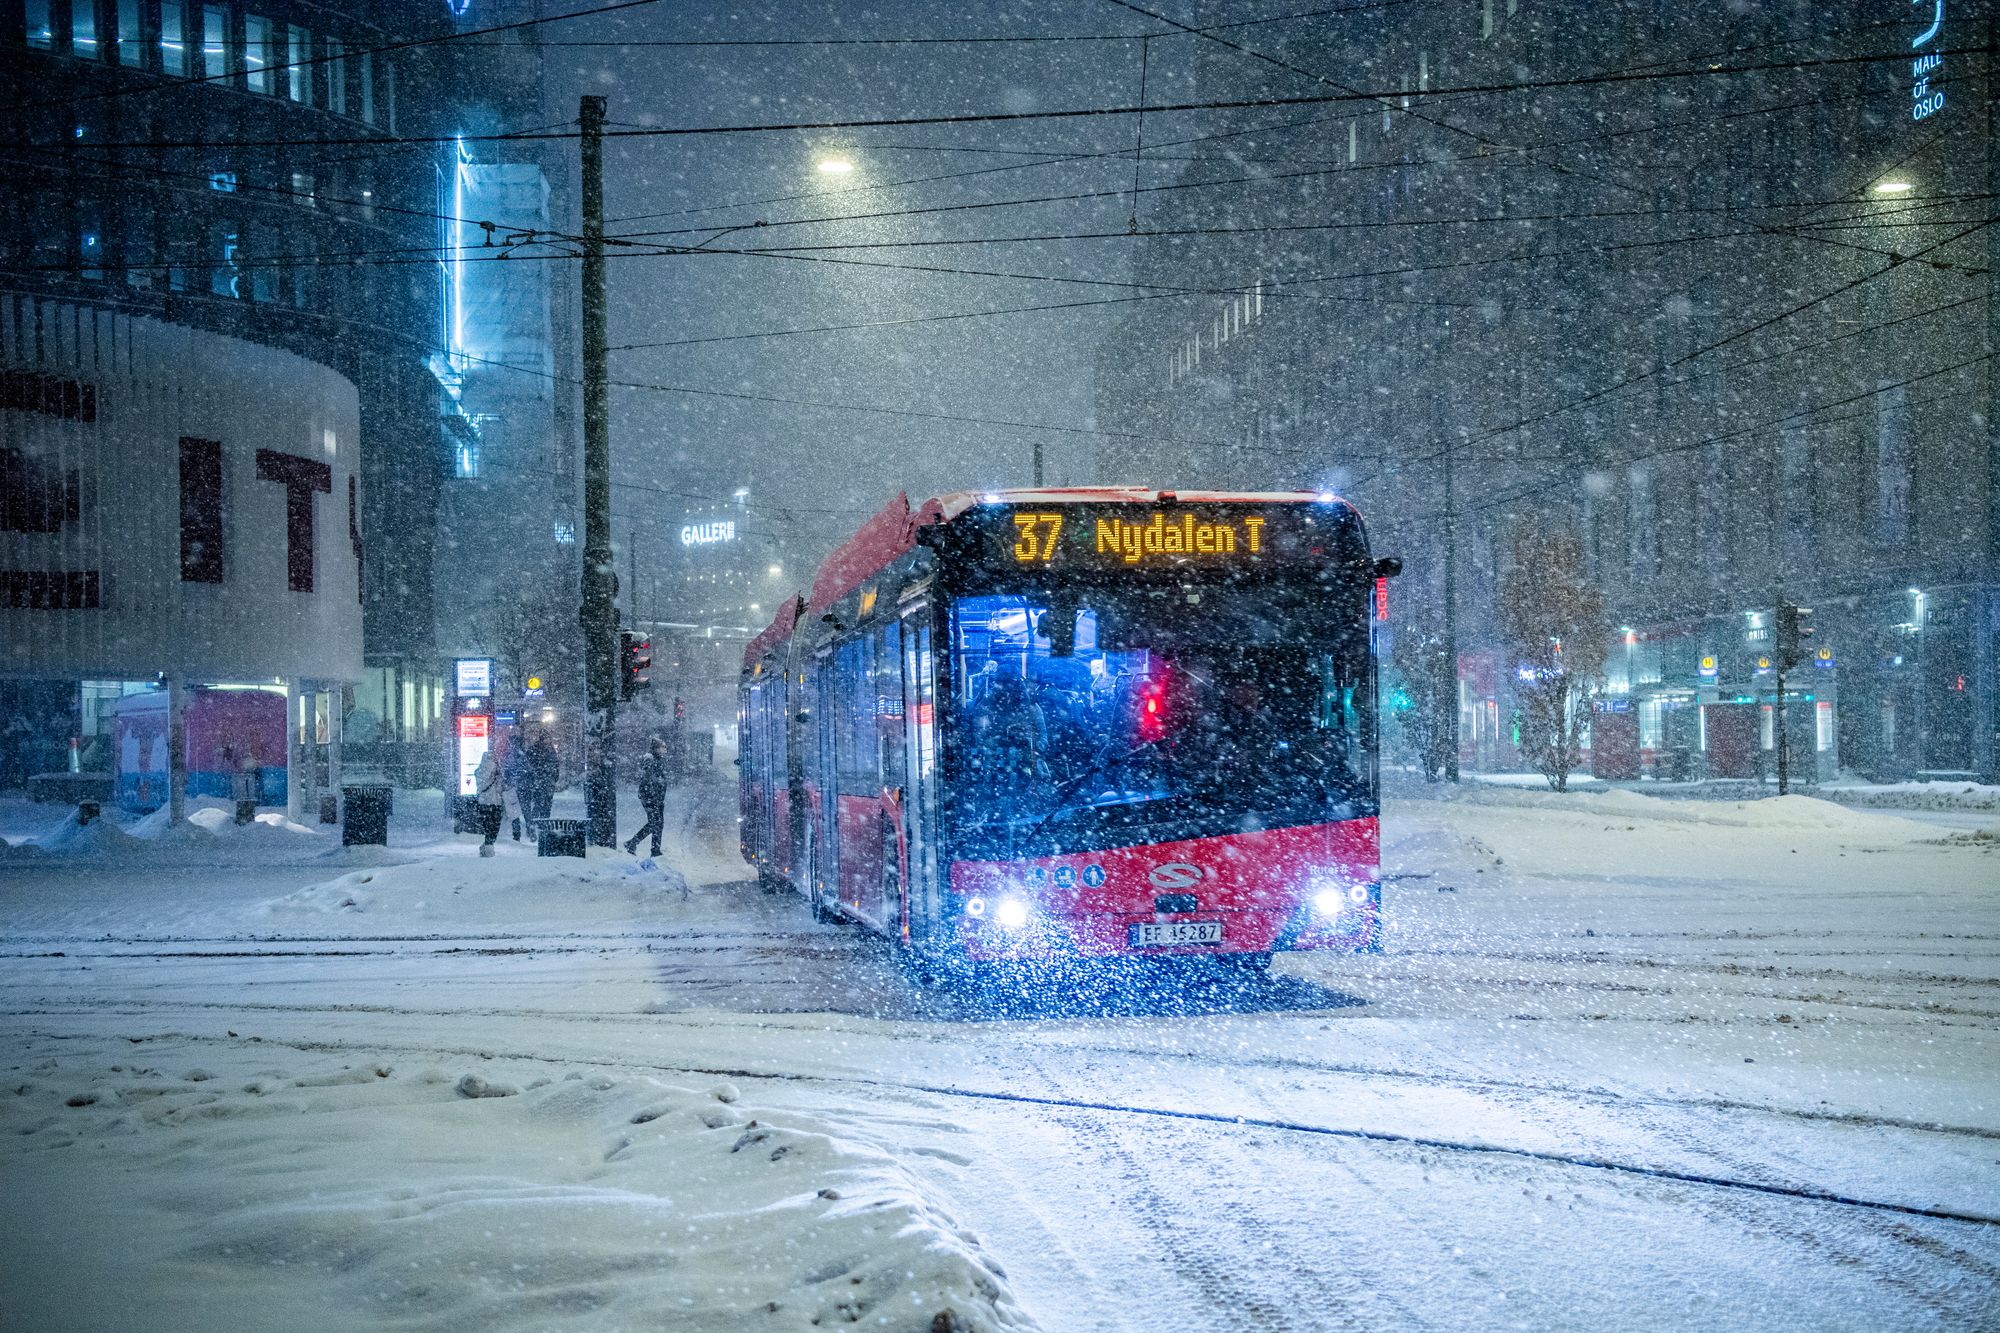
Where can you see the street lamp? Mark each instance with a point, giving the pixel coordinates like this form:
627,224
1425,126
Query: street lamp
1894,187
834,166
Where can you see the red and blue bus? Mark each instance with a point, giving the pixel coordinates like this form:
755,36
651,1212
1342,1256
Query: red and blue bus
1045,725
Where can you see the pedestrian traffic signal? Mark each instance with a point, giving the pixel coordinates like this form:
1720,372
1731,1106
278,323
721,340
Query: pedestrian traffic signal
635,657
1794,628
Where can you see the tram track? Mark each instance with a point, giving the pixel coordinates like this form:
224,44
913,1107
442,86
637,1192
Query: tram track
1383,1137
135,1008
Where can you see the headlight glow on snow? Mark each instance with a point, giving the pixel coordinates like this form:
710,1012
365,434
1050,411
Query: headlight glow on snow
1012,913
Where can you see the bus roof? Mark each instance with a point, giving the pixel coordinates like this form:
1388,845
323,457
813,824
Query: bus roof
893,531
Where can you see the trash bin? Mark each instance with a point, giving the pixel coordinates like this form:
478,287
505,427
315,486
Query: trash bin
367,810
560,837
465,815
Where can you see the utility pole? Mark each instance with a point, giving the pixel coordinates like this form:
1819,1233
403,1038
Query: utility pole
1038,463
1449,664
599,612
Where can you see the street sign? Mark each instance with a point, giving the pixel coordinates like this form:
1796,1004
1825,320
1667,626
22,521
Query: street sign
474,675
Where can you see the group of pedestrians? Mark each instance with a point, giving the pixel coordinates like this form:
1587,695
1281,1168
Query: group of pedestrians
531,771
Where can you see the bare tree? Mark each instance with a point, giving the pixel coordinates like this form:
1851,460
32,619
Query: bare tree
535,633
1553,618
1426,696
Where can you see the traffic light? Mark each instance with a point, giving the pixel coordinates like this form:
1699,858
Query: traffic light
1794,628
635,663
680,710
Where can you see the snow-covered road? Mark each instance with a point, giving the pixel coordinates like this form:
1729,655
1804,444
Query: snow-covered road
1625,1063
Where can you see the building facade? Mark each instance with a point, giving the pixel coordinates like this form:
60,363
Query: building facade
1709,289
276,178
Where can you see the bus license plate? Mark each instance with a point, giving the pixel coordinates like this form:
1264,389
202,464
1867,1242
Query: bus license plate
1165,934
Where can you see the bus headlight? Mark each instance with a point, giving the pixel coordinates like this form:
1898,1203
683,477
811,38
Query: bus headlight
1011,913
975,907
1331,898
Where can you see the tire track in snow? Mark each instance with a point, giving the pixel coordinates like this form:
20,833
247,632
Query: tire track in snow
1389,1138
763,1020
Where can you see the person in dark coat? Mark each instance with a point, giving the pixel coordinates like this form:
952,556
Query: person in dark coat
652,794
541,769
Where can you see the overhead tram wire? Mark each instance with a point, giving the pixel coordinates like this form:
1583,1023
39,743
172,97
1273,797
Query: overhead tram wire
533,234
314,197
1274,289
1373,225
1372,6
171,83
1716,345
1538,487
1073,113
1388,103
1781,354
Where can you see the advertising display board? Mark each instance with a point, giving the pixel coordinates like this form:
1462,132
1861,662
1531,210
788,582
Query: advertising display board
475,734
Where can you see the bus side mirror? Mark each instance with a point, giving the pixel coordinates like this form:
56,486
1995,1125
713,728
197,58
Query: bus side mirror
1388,567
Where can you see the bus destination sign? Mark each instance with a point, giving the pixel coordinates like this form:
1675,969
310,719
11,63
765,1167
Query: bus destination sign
1162,538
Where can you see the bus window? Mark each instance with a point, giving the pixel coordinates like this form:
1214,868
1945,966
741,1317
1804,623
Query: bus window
1169,714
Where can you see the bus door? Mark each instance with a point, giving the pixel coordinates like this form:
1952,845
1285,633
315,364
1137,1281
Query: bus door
795,738
885,692
822,857
919,803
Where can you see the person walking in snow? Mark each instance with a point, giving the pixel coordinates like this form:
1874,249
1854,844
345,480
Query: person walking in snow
652,795
491,791
541,769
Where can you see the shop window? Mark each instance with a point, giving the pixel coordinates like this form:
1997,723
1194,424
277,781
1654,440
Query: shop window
131,51
298,52
302,189
225,260
173,49
1644,528
257,53
83,30
366,75
136,260
214,42
1892,466
90,249
336,76
40,35
1795,471
1712,495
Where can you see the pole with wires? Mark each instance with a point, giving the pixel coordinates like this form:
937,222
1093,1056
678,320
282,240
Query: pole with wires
599,611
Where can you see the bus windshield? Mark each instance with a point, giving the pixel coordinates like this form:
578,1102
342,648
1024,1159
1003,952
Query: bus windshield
1094,718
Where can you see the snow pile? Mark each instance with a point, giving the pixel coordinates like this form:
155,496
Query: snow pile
458,887
210,828
1973,796
497,1199
99,837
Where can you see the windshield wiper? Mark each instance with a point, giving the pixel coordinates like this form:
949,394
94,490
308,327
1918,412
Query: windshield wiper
1103,764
